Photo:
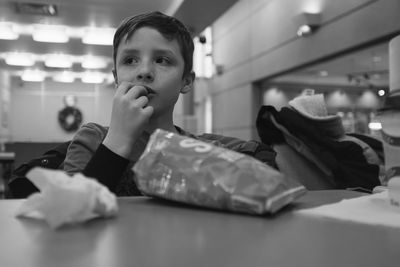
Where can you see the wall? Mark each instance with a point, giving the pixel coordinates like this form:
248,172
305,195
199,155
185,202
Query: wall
345,97
35,105
256,39
33,108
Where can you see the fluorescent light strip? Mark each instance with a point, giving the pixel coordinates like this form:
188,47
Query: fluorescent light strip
64,77
57,33
98,36
55,60
50,33
33,76
19,59
7,31
92,62
58,61
92,77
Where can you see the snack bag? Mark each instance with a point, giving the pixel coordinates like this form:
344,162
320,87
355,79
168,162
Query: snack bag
190,171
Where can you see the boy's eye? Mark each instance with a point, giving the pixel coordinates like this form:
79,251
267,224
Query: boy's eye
130,60
163,60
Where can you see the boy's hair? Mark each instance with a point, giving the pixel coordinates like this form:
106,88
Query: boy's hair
170,27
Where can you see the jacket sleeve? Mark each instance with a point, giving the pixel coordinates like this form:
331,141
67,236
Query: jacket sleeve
20,186
83,146
106,166
88,155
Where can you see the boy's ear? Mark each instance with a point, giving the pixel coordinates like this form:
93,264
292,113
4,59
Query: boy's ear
188,83
115,77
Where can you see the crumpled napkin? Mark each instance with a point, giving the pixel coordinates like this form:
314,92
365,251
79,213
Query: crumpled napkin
372,209
65,200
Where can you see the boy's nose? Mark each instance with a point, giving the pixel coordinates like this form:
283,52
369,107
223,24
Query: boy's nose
145,74
146,77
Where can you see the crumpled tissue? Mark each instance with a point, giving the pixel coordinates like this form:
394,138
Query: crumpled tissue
66,200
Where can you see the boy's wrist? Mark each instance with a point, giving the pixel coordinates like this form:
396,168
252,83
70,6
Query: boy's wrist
118,145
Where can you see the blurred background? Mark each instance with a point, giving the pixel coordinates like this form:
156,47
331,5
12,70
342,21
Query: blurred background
248,53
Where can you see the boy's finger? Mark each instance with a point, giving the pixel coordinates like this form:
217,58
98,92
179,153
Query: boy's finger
142,101
148,110
137,91
123,88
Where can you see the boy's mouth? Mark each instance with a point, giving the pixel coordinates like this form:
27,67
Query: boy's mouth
149,90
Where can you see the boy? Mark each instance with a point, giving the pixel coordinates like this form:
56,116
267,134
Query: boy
152,66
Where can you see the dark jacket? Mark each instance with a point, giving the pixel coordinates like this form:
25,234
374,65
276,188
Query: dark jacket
20,186
345,158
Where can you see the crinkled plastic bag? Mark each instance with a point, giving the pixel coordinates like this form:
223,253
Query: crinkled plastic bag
190,171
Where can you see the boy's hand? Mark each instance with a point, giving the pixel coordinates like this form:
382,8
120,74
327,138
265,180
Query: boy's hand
129,117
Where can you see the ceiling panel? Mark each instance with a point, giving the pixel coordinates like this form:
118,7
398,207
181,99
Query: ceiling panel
197,15
366,67
102,13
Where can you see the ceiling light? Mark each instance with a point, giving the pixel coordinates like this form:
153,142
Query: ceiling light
307,23
381,92
58,61
373,125
64,77
20,59
92,77
50,33
33,76
92,62
98,36
7,31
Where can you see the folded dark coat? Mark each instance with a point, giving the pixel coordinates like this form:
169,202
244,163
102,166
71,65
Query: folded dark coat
345,159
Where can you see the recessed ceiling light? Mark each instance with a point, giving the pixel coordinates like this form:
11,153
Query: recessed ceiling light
50,33
64,77
33,76
7,31
93,62
92,77
20,59
98,36
58,61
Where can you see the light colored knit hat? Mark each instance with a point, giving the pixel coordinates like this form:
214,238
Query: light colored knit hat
312,107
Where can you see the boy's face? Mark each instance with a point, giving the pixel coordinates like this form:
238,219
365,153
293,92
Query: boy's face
149,59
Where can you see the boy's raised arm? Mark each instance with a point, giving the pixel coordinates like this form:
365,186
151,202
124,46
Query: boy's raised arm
129,116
